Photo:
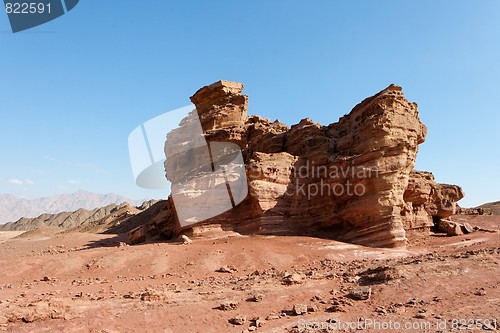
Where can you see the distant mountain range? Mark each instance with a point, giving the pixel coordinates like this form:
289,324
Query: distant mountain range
114,218
13,208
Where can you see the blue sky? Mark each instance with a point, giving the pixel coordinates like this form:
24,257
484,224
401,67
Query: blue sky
73,89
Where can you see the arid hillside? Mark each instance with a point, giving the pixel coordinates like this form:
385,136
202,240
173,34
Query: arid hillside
493,207
95,220
13,208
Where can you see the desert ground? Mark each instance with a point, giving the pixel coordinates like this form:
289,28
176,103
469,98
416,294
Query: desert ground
55,281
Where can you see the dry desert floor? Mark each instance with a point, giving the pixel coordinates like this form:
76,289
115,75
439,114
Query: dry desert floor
79,282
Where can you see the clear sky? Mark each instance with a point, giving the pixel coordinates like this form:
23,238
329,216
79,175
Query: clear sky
73,89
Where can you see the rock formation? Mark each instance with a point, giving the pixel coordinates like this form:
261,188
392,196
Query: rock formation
426,202
352,180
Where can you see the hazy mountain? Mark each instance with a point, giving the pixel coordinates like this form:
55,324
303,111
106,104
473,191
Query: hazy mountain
120,218
65,220
13,208
494,207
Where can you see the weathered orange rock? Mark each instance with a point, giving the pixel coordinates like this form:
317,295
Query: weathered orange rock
427,202
450,227
352,180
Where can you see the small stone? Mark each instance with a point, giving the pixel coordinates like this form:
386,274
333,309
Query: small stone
29,318
362,293
422,313
257,322
184,239
450,227
467,228
411,302
312,308
238,320
150,296
299,309
272,317
335,308
227,269
480,292
398,308
292,279
228,306
257,298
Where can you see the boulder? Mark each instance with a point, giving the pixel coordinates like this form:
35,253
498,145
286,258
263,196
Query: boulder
361,294
427,202
299,309
450,227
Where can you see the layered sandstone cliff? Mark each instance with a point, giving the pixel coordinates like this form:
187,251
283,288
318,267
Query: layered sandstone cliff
352,180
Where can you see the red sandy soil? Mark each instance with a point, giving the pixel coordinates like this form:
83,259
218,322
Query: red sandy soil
78,282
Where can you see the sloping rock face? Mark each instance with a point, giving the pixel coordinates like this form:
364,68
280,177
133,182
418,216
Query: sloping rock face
352,180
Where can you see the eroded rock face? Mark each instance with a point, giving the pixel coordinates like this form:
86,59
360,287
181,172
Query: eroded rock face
427,202
352,180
